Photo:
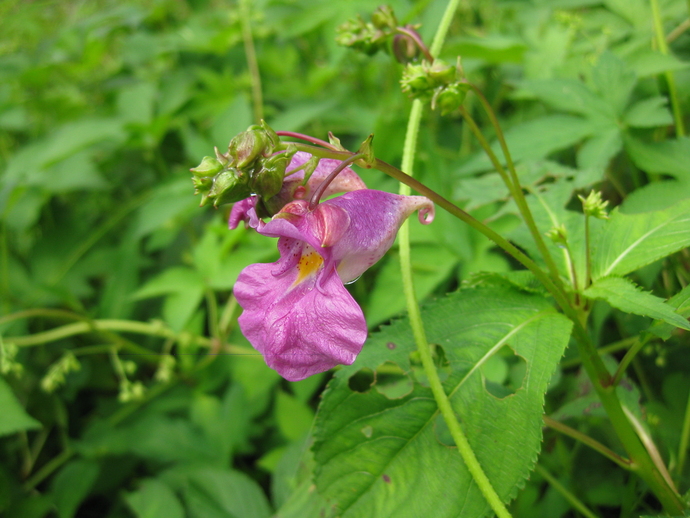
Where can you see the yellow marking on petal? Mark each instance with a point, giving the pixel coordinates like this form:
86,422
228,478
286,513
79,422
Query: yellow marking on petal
309,263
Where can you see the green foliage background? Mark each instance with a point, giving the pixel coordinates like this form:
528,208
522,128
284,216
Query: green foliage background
127,389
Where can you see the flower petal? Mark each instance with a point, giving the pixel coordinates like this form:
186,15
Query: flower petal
346,181
375,218
245,210
300,329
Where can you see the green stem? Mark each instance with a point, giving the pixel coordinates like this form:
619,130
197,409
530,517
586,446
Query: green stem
570,497
670,78
444,405
250,52
513,182
684,440
629,356
47,469
586,439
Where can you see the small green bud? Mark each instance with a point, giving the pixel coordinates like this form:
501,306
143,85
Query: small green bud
558,235
209,166
593,205
367,149
247,146
229,186
450,98
335,142
384,18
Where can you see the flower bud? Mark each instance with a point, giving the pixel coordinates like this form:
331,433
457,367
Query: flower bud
248,145
229,186
593,205
209,166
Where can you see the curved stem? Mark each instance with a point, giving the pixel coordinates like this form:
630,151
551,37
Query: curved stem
514,182
586,439
307,138
570,497
250,52
660,38
412,34
125,326
318,192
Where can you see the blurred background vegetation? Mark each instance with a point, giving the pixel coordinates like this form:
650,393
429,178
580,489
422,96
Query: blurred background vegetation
129,391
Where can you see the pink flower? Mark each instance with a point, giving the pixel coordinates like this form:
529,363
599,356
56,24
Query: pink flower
246,210
297,312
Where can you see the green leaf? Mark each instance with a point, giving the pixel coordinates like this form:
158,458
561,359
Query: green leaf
649,63
493,48
629,241
184,289
665,157
649,113
623,294
154,499
219,493
535,139
13,418
569,95
390,455
72,484
294,417
598,151
614,81
431,265
655,196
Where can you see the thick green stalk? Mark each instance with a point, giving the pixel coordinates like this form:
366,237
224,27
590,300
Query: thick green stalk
444,405
670,78
684,441
250,52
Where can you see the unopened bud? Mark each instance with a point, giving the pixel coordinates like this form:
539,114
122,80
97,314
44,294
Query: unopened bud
593,205
209,166
229,186
247,146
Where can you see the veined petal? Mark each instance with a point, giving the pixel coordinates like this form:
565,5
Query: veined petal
300,330
375,218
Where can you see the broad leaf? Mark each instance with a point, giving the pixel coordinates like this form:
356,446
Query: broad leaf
154,499
72,484
630,241
649,113
665,157
384,449
13,418
622,294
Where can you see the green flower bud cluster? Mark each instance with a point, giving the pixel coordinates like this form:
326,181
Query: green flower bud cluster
593,205
252,165
57,372
369,37
442,84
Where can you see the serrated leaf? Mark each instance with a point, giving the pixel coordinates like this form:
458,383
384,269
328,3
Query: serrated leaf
629,241
13,418
154,499
623,294
375,453
649,113
665,157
